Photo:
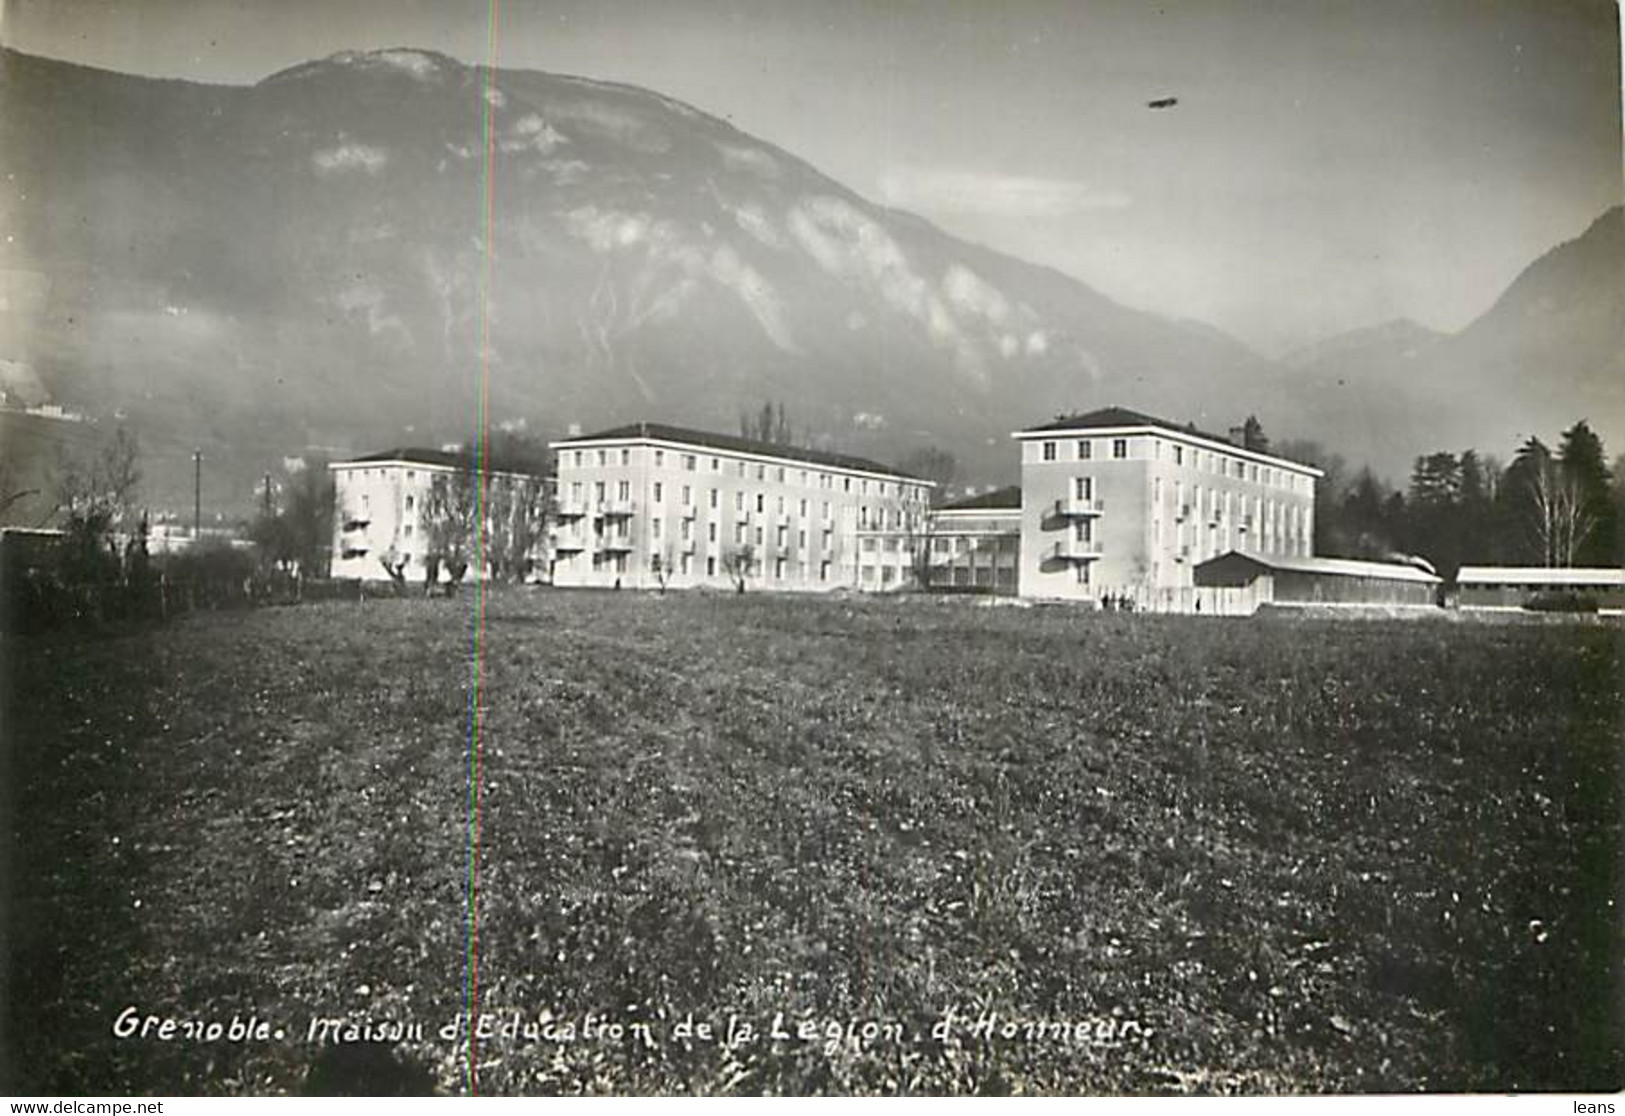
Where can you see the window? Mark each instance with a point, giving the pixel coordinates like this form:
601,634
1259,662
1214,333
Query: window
803,509
407,531
715,464
603,458
687,531
1119,448
846,484
868,544
409,503
758,538
623,490
654,528
1179,455
1086,488
1086,449
711,532
761,502
578,459
761,471
739,501
778,569
626,457
778,474
660,492
688,496
688,462
1049,451
715,496
660,458
711,566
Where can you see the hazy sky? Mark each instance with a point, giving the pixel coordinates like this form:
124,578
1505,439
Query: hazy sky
1330,163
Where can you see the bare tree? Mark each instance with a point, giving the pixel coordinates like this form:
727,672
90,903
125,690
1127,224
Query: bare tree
1560,517
738,563
94,498
661,566
516,521
449,522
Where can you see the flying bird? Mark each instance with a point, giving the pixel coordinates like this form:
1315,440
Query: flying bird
1162,103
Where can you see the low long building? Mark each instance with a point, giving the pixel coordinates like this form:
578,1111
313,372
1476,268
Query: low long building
650,505
975,544
1277,579
1509,587
1116,503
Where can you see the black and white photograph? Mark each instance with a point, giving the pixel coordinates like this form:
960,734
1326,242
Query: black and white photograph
811,547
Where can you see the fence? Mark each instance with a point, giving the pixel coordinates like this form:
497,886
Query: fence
1198,600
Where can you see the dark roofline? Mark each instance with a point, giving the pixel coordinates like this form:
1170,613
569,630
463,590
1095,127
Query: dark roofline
1001,499
1107,417
659,431
447,459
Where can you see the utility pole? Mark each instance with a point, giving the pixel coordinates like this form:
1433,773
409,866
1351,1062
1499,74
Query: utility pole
267,496
197,495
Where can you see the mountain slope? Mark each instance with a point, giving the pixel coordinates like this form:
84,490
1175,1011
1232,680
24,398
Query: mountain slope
1550,351
307,261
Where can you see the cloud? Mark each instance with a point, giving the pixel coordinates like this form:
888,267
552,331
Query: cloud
351,156
999,195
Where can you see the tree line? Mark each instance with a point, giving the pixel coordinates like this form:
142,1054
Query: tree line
1561,506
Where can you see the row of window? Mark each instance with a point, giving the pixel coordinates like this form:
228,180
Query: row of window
689,462
1207,461
868,518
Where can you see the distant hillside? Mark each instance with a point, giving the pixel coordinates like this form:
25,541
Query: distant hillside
1550,351
307,262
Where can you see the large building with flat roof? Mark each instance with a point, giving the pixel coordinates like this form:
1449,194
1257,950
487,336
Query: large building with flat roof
649,505
1115,502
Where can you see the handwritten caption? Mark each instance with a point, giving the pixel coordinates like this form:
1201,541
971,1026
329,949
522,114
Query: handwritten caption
729,1031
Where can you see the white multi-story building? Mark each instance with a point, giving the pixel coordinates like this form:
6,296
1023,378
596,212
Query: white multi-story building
647,505
380,502
1115,501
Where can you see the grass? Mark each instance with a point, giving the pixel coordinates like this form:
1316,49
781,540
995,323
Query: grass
1248,856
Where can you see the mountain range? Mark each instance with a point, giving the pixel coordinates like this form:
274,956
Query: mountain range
321,262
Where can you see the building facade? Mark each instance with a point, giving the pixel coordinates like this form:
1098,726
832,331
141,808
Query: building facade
381,503
651,505
1519,587
975,544
1118,502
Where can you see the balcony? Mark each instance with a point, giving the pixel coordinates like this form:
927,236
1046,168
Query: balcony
571,509
616,544
568,542
1074,507
615,509
1075,550
690,511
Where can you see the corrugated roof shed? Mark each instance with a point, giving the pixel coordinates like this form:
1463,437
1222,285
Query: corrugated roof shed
1339,567
1541,575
